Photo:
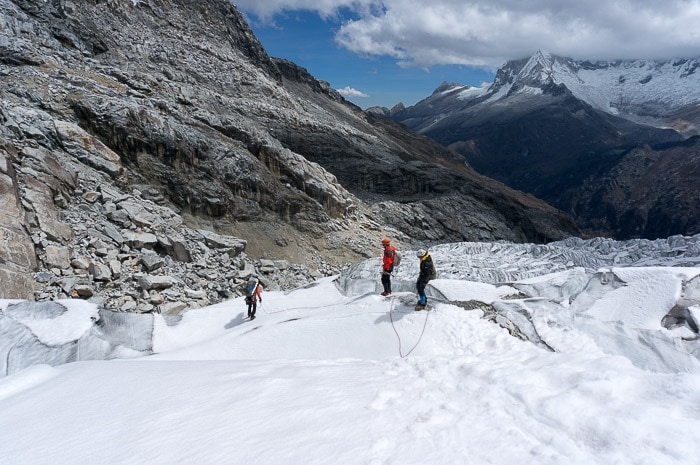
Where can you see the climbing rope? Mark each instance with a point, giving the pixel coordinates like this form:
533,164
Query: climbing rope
425,323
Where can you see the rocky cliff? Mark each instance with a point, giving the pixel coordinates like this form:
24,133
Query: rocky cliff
152,155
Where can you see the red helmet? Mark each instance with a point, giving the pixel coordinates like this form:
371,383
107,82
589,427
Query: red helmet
386,241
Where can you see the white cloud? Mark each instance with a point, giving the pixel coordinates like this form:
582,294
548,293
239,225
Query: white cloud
351,93
486,33
326,8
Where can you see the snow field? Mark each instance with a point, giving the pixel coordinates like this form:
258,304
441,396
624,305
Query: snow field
319,378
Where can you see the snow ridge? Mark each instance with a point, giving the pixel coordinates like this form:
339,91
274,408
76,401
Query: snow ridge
615,87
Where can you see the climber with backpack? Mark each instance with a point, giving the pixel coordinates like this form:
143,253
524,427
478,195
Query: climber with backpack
253,295
426,273
390,259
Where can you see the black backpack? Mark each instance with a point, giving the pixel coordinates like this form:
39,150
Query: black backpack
433,271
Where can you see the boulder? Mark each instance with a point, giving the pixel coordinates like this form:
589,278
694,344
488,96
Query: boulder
140,240
151,261
217,241
57,257
148,282
100,271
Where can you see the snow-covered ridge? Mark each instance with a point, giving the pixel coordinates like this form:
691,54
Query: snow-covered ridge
504,262
612,86
471,92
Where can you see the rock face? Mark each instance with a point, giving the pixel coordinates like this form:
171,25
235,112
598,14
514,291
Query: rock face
17,255
152,155
567,132
651,191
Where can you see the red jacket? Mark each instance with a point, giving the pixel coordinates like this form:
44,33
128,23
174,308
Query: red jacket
388,259
258,293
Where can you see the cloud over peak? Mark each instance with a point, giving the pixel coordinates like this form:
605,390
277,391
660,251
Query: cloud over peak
349,92
487,33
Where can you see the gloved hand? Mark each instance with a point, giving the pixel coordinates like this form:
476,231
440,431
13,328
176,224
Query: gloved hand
260,300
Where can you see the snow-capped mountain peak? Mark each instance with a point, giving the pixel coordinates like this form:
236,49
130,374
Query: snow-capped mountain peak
639,89
538,68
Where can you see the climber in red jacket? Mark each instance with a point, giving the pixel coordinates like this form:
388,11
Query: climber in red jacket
389,260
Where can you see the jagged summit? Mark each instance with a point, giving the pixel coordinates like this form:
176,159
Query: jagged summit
659,93
539,68
384,111
398,107
642,90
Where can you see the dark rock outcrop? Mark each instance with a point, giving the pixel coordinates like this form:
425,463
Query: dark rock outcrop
651,191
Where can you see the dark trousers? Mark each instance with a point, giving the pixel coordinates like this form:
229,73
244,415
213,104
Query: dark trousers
386,281
420,287
252,305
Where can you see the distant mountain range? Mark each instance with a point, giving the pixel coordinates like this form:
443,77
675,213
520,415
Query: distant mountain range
572,133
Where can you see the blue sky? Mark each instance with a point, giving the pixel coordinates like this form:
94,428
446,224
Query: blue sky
381,52
366,80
